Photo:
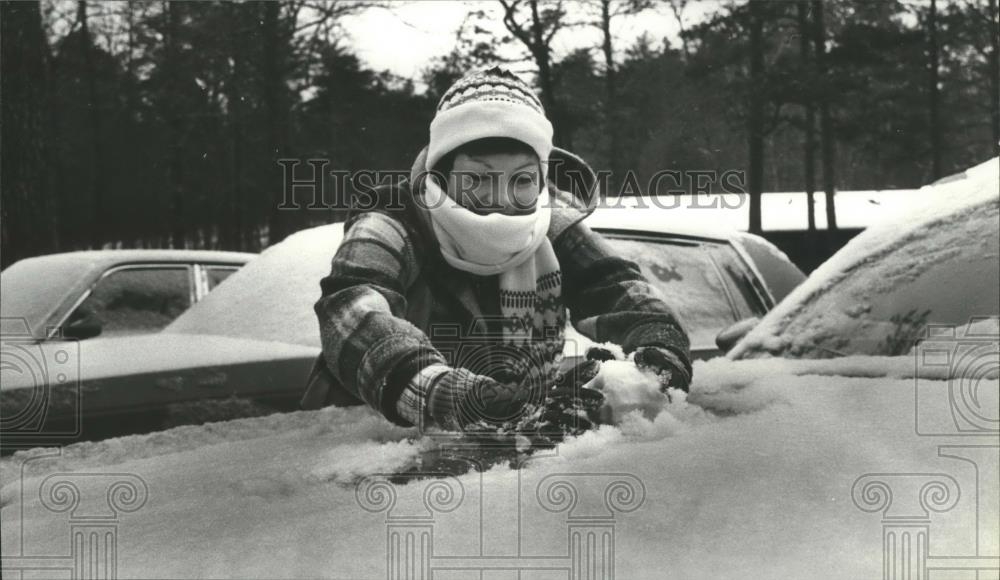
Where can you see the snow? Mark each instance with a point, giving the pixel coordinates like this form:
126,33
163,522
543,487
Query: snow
952,224
750,475
628,390
246,306
780,211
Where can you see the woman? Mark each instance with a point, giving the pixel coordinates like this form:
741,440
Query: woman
447,305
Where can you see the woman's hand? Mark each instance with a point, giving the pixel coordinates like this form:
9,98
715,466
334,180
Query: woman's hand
460,399
666,365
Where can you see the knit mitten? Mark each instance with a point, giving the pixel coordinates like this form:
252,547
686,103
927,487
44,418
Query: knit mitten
570,408
456,399
667,365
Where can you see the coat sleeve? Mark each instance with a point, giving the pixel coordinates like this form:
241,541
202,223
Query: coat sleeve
610,300
368,345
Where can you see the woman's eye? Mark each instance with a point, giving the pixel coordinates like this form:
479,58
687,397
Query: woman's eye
473,181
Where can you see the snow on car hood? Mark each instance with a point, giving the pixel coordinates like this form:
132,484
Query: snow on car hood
949,204
767,469
272,297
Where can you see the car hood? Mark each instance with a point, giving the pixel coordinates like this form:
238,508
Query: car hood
27,364
756,474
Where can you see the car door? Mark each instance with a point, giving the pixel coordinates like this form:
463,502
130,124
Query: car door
706,282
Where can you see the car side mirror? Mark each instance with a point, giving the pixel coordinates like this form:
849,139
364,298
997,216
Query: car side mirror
83,328
732,334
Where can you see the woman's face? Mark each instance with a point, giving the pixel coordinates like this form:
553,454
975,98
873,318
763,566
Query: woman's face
506,183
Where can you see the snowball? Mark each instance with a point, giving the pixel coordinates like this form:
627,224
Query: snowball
627,389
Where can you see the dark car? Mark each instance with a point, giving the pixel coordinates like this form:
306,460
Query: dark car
109,292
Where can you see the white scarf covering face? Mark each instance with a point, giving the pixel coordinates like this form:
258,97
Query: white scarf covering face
485,244
515,247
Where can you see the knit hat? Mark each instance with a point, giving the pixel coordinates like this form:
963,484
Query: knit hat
491,102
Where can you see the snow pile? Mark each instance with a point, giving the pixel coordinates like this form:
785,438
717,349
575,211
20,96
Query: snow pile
348,463
951,218
272,297
627,389
751,475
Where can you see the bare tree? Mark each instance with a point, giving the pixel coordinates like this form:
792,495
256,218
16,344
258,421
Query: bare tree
677,8
809,152
993,73
825,121
174,124
608,11
536,31
27,224
933,94
755,117
98,184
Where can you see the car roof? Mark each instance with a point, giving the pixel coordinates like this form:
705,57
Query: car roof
114,257
637,215
54,279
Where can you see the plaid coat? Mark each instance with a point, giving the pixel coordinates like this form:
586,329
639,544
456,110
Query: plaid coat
391,305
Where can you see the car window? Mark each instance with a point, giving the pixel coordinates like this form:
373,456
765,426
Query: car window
780,274
700,280
949,276
214,275
137,299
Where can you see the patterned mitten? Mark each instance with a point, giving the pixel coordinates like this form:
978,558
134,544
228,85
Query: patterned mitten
668,367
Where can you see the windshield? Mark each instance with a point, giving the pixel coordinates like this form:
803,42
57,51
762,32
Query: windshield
33,289
945,274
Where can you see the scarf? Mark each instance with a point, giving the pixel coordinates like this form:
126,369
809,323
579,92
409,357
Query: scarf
516,248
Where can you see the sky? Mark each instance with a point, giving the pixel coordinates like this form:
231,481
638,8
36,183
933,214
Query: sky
405,37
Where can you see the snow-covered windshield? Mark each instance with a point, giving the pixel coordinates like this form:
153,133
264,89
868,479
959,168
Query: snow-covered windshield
940,265
34,288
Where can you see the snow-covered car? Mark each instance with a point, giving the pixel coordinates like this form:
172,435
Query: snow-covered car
934,268
849,467
713,277
109,292
248,347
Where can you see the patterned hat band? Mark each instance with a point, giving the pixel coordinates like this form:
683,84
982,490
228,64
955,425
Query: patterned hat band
489,103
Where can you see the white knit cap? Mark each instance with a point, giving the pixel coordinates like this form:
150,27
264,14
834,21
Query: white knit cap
491,102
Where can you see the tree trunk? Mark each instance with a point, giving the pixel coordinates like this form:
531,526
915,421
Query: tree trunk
26,209
809,152
98,186
610,100
755,118
173,117
543,60
276,115
825,124
932,91
994,74
231,218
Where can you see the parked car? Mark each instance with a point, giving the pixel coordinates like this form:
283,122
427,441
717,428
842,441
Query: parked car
934,269
109,292
714,278
247,348
770,467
